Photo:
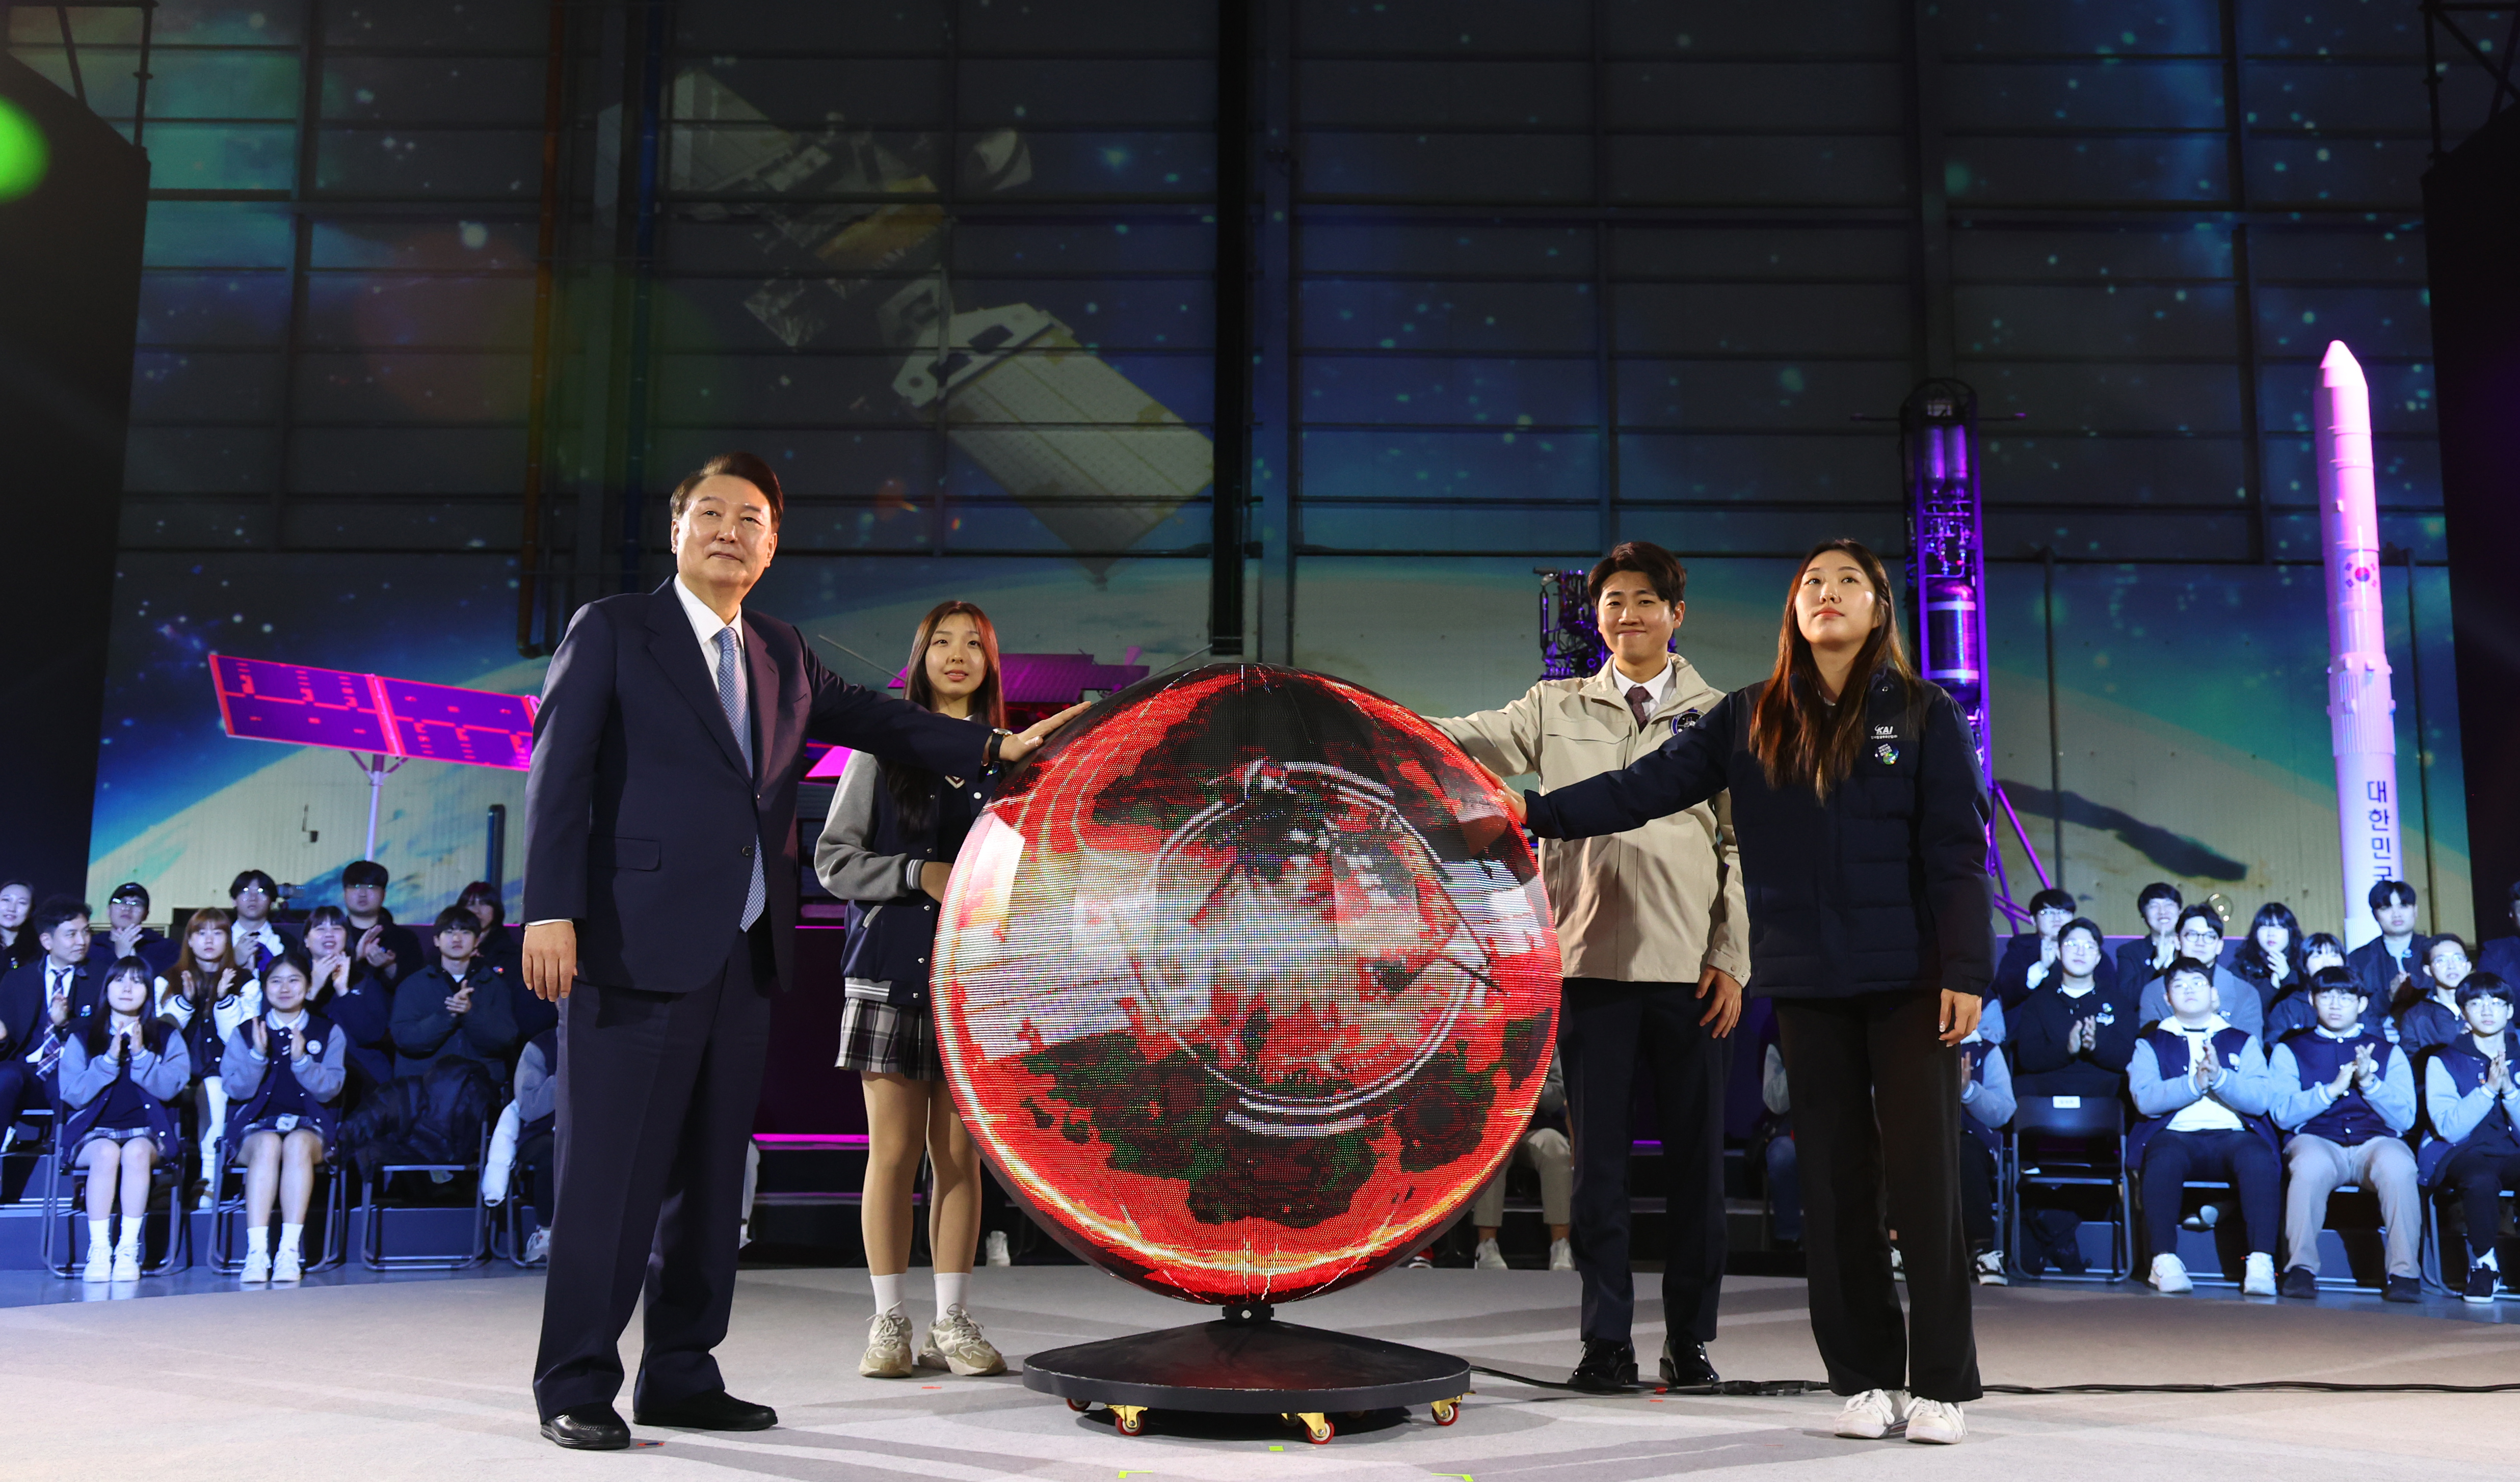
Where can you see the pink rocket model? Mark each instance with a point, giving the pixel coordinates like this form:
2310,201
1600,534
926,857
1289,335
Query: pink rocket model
2360,709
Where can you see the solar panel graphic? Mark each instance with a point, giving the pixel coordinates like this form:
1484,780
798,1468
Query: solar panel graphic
301,705
1246,985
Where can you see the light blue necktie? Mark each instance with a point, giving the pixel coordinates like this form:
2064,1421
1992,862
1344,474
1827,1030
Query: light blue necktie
757,895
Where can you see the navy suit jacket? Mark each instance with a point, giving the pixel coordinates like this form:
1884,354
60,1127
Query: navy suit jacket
23,1002
640,820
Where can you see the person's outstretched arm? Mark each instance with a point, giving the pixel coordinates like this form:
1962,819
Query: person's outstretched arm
1680,773
1505,741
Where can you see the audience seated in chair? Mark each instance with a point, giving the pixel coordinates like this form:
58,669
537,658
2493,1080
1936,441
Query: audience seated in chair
1544,1147
2292,1012
284,1070
2201,939
2031,956
2426,1008
209,994
2071,1037
18,946
2149,955
2200,1083
253,896
120,1072
41,1005
2347,1096
524,1136
359,1003
127,932
390,952
460,1006
2472,1102
1986,1093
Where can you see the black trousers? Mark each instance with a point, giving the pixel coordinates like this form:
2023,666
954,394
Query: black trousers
2243,1158
1605,1028
1876,1098
535,1155
21,1090
1977,1192
2479,1175
656,1100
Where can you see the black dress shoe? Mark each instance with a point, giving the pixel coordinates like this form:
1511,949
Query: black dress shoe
1685,1367
2403,1289
587,1427
1606,1368
714,1411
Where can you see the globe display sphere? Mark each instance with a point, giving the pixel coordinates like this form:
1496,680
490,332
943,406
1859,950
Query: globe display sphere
1246,984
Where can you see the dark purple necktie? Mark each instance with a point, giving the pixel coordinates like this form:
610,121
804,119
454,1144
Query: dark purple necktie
1641,700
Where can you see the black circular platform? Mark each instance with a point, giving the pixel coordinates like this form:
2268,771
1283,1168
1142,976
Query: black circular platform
1248,1364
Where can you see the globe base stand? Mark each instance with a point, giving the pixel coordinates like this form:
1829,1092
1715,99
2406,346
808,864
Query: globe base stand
1247,1362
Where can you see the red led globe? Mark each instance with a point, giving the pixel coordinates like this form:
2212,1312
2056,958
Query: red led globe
1246,985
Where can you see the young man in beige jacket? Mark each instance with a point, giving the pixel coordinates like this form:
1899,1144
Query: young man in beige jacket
1655,942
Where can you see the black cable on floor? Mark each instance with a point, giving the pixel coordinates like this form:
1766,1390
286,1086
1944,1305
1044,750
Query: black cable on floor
1766,1388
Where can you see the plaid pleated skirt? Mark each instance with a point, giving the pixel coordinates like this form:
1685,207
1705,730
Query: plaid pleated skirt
879,1036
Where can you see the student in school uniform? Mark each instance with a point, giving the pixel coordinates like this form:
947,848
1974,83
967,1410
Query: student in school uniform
2030,956
390,951
259,938
462,1007
2426,1008
2201,1082
2472,1102
2149,955
1986,1096
2270,957
2200,940
2397,952
1544,1147
17,945
350,993
2347,1098
119,1074
2294,1012
524,1136
285,1068
209,994
41,1005
127,932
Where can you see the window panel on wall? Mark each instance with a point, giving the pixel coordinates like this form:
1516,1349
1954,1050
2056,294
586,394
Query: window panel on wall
1767,532
389,162
1732,97
2405,471
1815,252
1464,317
1069,27
1796,169
2062,95
1539,168
216,234
1413,466
1718,395
1033,93
779,27
2017,469
1448,94
1843,467
374,460
424,521
1346,245
1412,389
204,385
391,310
2382,172
201,460
382,386
2084,29
2110,535
1865,321
1986,252
2089,322
453,25
192,308
2089,171
155,522
1442,28
2097,399
471,91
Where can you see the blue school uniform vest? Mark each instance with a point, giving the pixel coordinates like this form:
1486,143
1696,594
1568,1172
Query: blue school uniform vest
2349,1121
280,1093
125,1105
2170,1053
2466,1072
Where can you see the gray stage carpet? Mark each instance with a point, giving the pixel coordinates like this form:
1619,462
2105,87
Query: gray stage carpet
365,1381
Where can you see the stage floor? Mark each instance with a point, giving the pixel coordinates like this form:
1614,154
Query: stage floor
365,1380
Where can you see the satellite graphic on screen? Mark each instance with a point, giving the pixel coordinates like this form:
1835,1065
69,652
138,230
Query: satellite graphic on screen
301,705
1249,985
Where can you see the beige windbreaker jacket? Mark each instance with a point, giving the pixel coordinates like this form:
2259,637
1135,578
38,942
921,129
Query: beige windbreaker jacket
1653,905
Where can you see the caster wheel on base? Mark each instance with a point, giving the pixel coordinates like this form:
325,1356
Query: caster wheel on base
1130,1419
1316,1426
1447,1412
1080,1406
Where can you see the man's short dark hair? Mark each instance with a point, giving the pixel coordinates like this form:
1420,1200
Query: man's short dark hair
2158,890
2483,985
2385,894
270,886
56,909
1650,560
2336,980
755,470
2089,928
2452,937
365,872
130,890
2052,900
2180,964
459,918
2205,914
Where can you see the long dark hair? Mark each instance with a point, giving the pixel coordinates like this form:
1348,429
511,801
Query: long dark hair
913,788
1802,740
153,1027
2250,959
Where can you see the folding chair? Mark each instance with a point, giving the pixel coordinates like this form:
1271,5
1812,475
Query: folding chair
2438,1275
2038,1159
63,1211
228,1215
371,1246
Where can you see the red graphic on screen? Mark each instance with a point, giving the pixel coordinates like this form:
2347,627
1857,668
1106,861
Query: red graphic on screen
1246,984
301,705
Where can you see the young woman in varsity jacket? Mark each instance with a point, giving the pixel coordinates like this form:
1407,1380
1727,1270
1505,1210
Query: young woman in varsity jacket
284,1070
1861,814
888,848
2473,1100
118,1072
2200,1083
2347,1098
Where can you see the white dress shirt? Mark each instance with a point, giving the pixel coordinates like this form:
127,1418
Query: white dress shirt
1655,688
705,626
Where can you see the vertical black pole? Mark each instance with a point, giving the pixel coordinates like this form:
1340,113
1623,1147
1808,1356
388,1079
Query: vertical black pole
2056,741
1232,417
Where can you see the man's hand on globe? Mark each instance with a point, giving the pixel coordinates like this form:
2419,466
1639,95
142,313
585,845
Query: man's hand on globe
1024,743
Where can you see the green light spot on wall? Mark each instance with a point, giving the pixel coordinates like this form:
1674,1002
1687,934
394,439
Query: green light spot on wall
23,154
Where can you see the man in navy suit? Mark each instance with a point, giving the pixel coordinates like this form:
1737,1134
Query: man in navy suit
44,1003
660,882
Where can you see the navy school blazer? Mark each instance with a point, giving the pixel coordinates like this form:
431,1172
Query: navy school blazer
641,822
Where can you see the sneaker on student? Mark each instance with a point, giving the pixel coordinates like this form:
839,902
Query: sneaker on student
1898,1265
538,1247
2257,1280
2170,1274
999,1252
1989,1269
1489,1258
2481,1281
126,1266
100,1265
1561,1256
887,1353
2205,1218
288,1266
1935,1423
2299,1281
1872,1414
955,1342
1423,1260
258,1267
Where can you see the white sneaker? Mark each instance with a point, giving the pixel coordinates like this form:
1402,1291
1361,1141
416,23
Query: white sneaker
538,1247
1490,1258
954,1342
1898,1265
209,1202
2170,1274
127,1265
2259,1279
1561,1256
258,1267
1872,1414
887,1353
100,1265
999,1252
1989,1269
288,1266
1934,1422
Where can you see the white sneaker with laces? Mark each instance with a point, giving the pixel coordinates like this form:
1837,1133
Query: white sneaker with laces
2260,1278
288,1266
1561,1256
258,1267
955,1342
999,1252
100,1264
2170,1274
1934,1422
127,1265
1898,1265
887,1352
1489,1257
1872,1414
538,1247
1989,1269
